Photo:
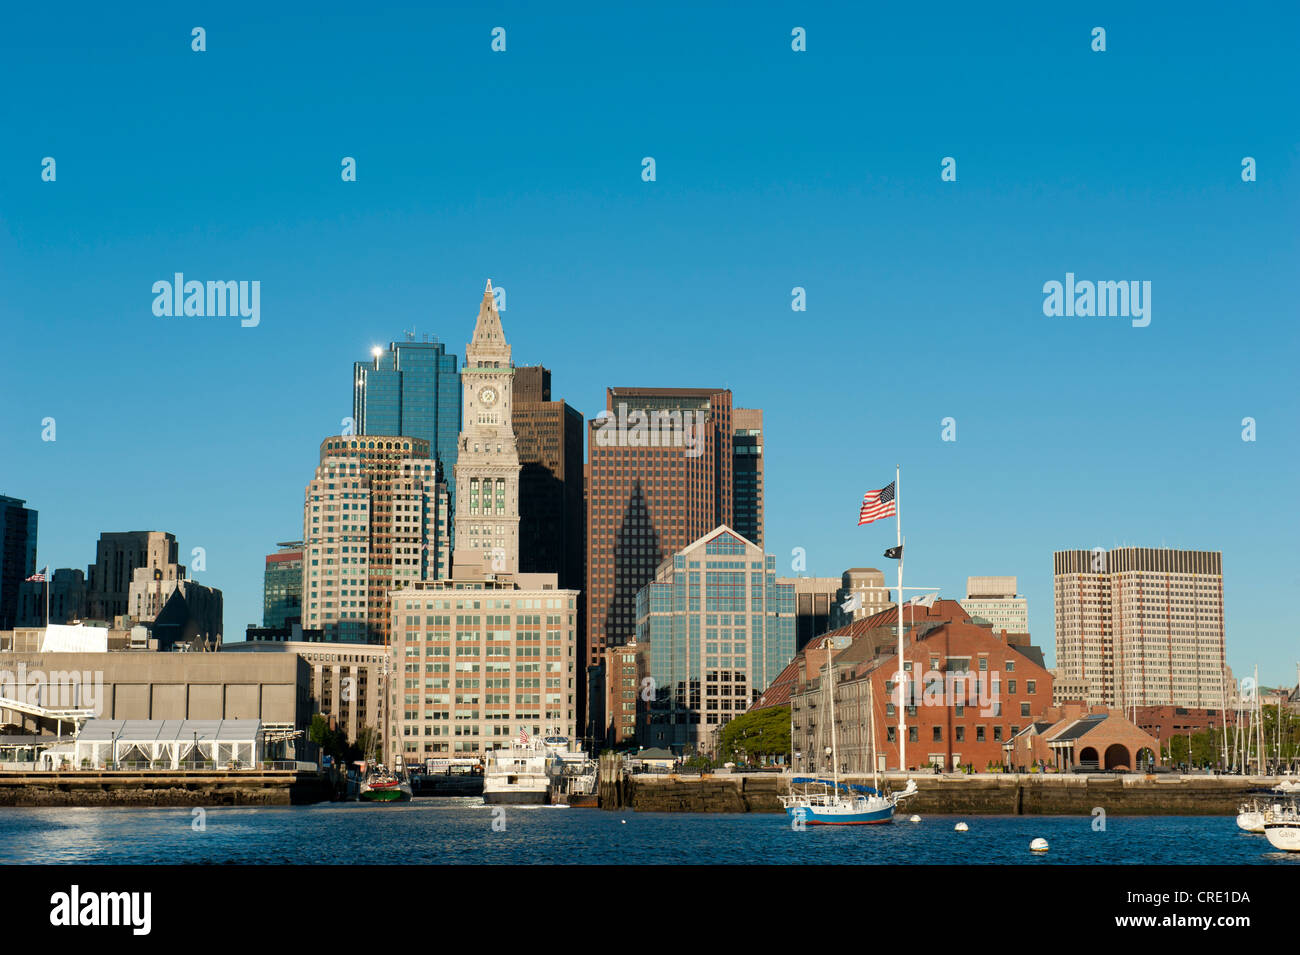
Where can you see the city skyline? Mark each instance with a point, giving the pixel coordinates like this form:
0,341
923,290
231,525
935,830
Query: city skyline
1071,432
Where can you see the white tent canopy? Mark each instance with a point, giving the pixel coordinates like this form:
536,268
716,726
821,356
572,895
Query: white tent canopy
169,744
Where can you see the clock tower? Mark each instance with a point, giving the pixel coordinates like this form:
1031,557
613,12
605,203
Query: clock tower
487,462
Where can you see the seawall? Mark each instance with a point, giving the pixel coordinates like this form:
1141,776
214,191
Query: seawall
980,794
164,788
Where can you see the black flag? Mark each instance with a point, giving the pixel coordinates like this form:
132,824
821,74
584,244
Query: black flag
896,553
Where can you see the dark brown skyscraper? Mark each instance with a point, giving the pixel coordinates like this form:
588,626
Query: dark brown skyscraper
548,435
659,477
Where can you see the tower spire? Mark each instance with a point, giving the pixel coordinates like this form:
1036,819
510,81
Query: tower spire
489,341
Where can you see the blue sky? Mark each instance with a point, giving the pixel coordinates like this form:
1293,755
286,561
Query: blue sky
775,169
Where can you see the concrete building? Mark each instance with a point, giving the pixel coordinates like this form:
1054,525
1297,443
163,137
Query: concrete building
862,595
17,555
747,473
282,585
816,606
67,598
178,613
1068,689
345,679
660,475
1142,626
412,390
718,628
995,599
157,686
375,518
476,661
118,554
487,463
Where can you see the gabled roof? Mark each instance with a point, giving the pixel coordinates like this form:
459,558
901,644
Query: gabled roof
655,753
1077,728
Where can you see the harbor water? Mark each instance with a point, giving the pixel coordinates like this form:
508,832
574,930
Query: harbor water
463,830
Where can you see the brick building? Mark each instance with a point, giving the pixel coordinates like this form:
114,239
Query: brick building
968,690
1076,734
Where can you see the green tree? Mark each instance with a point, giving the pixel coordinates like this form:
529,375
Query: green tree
756,736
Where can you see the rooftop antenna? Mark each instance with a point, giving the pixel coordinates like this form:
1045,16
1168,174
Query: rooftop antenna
410,336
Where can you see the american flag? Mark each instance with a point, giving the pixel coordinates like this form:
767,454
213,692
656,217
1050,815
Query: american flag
39,576
523,737
877,504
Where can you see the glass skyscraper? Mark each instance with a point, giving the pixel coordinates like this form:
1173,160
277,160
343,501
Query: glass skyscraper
412,390
719,628
17,555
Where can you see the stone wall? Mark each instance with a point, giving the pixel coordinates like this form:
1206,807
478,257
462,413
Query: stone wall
256,788
992,794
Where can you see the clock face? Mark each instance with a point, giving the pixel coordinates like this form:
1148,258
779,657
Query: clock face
488,396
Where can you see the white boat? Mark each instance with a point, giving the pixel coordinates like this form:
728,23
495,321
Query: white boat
1250,818
1282,827
822,802
1252,815
572,773
517,776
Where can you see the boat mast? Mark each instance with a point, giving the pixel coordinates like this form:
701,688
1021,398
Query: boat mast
835,756
871,716
902,678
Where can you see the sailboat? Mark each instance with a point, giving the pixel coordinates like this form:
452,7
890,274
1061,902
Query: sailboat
821,802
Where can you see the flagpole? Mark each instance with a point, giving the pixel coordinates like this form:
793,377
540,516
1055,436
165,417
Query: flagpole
902,676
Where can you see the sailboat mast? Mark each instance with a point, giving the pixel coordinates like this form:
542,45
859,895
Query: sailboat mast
871,716
835,755
902,678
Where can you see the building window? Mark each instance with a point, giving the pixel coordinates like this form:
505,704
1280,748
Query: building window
938,734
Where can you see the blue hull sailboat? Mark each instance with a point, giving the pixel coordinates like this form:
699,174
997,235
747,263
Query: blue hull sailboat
829,802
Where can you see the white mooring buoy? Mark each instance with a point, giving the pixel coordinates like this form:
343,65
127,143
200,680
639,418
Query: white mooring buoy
915,819
1038,845
961,827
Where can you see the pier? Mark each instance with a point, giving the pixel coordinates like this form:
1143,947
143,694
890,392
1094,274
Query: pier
254,787
1009,794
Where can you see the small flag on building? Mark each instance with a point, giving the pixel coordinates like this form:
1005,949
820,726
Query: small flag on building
877,504
924,600
895,553
523,737
39,576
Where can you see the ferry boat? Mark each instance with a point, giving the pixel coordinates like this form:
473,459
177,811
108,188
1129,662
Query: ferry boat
517,776
382,785
539,772
572,773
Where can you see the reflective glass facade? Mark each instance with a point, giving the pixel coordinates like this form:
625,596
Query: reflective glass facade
720,627
412,390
